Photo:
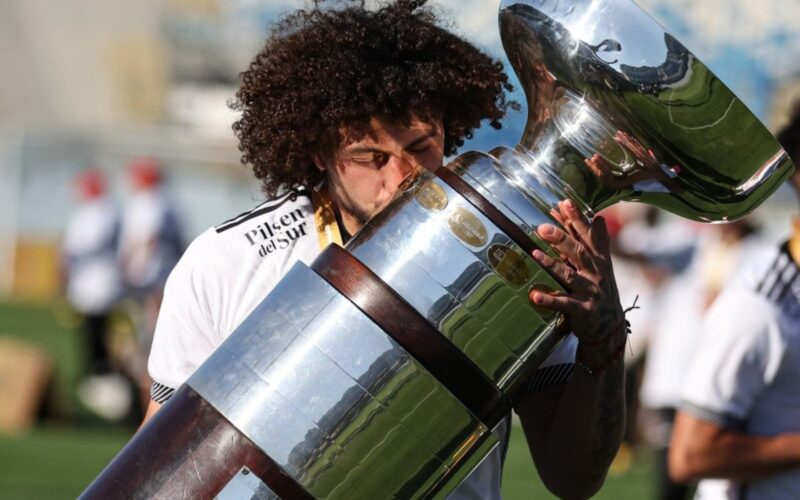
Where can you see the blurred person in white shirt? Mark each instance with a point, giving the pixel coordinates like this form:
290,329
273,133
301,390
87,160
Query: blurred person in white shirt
696,261
150,245
738,425
93,286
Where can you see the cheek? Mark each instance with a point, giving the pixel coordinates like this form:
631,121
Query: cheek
433,157
364,185
433,161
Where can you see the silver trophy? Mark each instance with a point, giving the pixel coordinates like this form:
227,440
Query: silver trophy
381,371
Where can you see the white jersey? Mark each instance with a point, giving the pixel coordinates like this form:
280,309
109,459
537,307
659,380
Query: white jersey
228,270
680,305
745,373
90,253
223,275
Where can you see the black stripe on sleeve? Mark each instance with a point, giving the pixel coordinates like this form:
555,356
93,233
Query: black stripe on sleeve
779,283
787,284
779,277
548,376
261,211
160,393
770,270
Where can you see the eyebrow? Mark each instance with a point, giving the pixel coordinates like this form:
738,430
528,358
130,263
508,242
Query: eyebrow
421,139
415,142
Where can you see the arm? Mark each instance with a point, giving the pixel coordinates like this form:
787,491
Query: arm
184,334
701,449
574,430
152,408
740,353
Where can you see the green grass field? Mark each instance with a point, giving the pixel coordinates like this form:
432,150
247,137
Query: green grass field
63,453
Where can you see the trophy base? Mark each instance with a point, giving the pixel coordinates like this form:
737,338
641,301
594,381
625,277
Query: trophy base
189,450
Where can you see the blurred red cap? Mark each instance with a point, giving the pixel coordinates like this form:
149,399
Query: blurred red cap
90,184
144,173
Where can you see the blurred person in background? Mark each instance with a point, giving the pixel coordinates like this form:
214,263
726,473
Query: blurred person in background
150,245
92,284
339,108
654,247
687,264
636,240
738,426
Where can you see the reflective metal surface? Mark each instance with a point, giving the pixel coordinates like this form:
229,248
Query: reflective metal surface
246,486
601,76
463,274
334,401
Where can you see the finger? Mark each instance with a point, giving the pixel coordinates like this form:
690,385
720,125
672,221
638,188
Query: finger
556,214
626,139
582,228
597,171
566,245
567,275
566,219
623,135
622,139
599,162
557,302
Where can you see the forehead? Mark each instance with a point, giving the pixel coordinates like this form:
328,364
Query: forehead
382,132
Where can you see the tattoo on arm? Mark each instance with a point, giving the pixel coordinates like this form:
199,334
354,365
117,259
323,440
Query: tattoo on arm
611,417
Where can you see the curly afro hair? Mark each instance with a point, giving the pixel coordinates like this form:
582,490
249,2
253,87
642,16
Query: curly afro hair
322,71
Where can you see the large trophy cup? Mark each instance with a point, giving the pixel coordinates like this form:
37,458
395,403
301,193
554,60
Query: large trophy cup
381,370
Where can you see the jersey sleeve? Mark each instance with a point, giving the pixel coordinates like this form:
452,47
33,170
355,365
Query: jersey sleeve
556,369
738,355
186,333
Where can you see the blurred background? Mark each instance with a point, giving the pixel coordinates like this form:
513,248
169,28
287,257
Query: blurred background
113,114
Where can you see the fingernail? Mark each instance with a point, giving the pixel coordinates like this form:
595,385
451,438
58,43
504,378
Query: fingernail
537,254
570,205
546,230
537,297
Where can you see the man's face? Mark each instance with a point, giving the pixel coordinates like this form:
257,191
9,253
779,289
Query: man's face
364,174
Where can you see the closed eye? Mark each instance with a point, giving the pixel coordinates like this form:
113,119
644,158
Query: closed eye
369,158
420,148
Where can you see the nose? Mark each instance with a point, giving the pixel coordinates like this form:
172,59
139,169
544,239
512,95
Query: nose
396,170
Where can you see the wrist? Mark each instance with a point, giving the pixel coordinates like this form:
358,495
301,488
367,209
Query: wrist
608,335
595,356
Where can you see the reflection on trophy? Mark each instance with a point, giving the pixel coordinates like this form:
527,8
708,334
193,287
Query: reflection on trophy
382,369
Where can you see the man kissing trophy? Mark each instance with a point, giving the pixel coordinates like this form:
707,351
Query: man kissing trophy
382,369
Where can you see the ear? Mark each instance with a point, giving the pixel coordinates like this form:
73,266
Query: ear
319,162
